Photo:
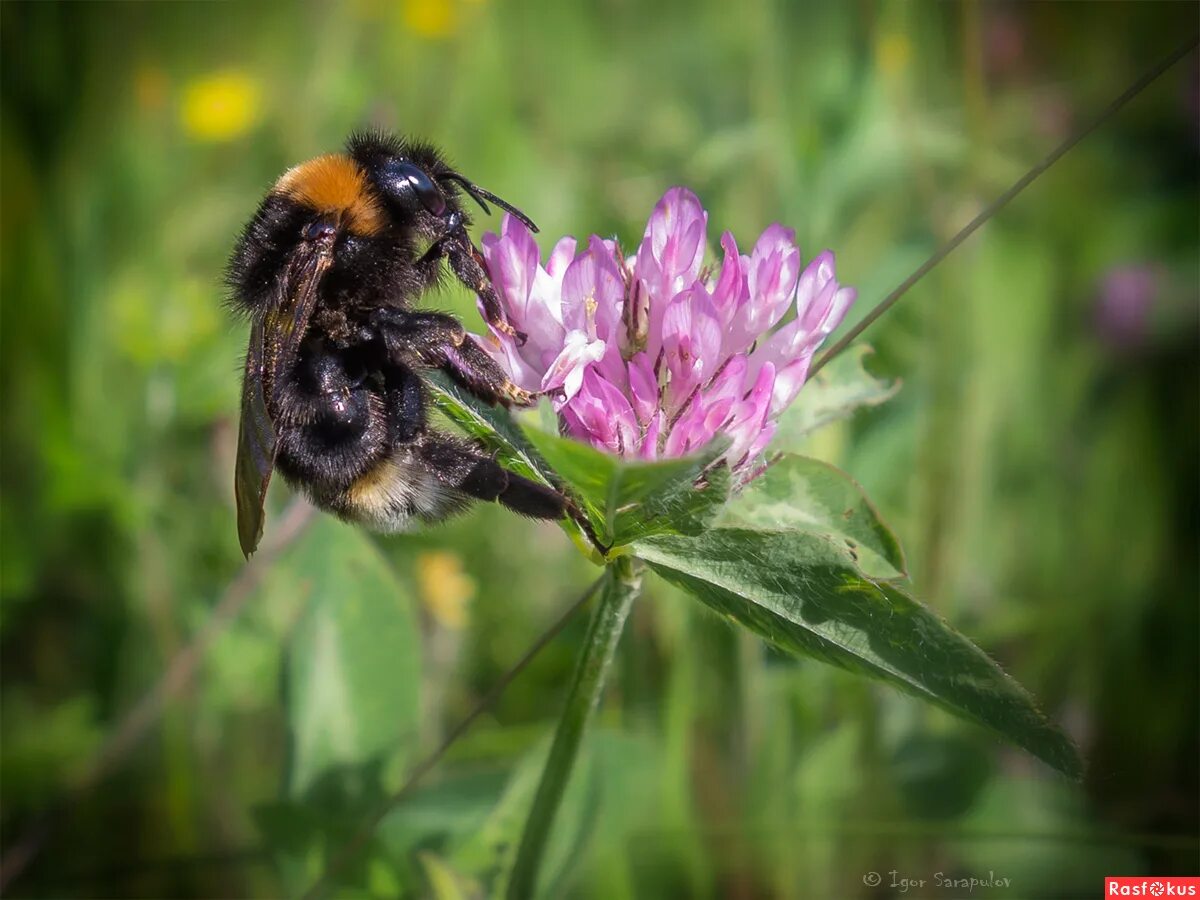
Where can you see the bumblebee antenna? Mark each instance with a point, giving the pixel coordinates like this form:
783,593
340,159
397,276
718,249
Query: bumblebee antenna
479,195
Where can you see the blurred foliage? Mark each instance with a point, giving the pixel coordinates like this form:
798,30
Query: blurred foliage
1040,471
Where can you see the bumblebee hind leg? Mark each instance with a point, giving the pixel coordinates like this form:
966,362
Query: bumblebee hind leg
435,476
462,468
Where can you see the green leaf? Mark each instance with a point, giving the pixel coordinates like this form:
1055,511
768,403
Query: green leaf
493,426
492,848
353,665
834,393
449,811
444,882
803,593
453,808
797,493
306,834
623,500
628,500
488,853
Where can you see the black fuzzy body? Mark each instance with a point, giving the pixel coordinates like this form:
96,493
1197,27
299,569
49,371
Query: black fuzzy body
342,389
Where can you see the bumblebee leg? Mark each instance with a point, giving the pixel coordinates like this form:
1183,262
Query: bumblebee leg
437,339
416,332
405,404
460,466
429,265
470,366
469,267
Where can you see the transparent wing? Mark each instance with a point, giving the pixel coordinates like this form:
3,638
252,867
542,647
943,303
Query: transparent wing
274,345
257,444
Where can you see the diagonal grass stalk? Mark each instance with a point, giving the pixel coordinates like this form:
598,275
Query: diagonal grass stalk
1003,200
137,723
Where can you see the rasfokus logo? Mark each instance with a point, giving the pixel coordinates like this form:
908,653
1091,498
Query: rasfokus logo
1151,886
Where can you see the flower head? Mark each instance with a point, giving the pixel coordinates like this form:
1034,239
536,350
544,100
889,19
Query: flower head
655,355
1125,303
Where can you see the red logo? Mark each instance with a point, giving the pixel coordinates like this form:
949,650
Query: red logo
1151,886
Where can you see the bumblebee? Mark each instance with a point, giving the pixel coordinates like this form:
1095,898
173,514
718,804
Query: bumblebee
328,271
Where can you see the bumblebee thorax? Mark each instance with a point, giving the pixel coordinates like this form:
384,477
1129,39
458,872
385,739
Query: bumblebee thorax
335,184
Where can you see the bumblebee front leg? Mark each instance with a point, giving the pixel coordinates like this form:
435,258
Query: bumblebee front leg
439,340
469,266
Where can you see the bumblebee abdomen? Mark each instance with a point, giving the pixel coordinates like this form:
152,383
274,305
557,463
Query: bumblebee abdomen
333,424
326,459
395,494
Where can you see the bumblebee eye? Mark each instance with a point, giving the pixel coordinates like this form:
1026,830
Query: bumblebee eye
401,181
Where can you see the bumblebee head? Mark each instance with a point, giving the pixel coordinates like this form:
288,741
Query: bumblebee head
415,183
411,181
380,185
372,206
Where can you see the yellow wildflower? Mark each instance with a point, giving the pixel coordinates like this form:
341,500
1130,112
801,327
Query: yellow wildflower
893,53
445,589
432,19
220,106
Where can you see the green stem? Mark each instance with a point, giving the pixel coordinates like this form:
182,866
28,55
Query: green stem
622,582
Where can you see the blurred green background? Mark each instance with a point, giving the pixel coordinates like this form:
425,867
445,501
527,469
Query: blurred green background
1039,461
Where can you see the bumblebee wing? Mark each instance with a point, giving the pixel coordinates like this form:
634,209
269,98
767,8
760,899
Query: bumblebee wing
257,444
274,345
286,324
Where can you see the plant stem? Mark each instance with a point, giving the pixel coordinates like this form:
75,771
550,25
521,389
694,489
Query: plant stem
622,583
363,835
